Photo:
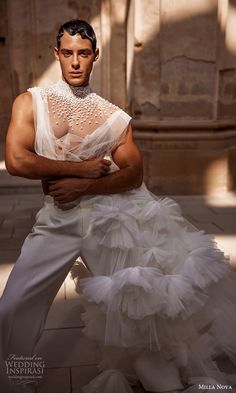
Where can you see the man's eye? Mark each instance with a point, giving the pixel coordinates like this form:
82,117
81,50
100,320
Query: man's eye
84,54
67,54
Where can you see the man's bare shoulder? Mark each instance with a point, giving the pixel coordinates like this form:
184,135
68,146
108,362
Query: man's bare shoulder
23,104
23,99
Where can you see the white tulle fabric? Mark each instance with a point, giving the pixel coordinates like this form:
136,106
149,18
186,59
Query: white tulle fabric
161,286
53,136
110,381
162,295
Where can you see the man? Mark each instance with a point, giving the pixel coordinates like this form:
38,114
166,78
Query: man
154,287
51,249
76,56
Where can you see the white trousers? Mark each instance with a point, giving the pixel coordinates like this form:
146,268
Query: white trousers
47,256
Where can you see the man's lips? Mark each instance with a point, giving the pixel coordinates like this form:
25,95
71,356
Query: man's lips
76,73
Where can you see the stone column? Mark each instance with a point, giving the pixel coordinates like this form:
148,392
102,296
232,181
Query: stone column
21,36
146,68
119,10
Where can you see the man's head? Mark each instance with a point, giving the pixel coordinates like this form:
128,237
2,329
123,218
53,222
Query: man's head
76,51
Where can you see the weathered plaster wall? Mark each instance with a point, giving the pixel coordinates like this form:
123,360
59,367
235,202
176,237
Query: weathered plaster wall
6,90
226,60
28,29
183,93
175,55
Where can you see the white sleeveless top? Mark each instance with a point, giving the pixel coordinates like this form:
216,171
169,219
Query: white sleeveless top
74,123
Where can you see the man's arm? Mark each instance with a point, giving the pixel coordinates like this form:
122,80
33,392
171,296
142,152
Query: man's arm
21,159
127,157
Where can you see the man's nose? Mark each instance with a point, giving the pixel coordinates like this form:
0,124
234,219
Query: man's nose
75,61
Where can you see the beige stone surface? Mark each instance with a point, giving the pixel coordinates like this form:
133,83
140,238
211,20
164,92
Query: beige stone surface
6,88
179,164
55,381
64,314
64,347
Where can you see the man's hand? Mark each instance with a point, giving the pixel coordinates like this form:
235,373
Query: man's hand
67,190
95,168
127,177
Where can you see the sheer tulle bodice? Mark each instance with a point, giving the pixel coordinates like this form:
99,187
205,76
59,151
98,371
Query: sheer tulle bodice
73,123
76,110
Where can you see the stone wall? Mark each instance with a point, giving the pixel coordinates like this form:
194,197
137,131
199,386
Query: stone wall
183,95
170,63
6,90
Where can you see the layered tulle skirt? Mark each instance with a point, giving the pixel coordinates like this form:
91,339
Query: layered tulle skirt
160,299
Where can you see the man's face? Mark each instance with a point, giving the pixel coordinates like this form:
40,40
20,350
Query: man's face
76,59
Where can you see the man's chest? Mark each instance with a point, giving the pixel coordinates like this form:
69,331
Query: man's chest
71,118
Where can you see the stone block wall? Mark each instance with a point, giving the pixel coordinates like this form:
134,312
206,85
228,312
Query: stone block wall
183,94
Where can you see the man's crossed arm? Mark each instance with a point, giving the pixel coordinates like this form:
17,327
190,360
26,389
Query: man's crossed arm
77,178
129,176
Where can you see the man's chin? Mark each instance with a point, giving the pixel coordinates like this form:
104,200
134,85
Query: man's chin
75,81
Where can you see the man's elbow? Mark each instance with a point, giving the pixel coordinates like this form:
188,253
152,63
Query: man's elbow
12,168
10,164
16,166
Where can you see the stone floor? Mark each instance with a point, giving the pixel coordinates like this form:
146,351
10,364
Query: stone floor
70,358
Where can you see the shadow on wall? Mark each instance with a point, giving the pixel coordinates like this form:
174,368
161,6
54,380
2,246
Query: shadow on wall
179,62
188,100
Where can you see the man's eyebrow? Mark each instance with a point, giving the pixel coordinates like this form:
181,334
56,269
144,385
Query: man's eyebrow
79,50
87,49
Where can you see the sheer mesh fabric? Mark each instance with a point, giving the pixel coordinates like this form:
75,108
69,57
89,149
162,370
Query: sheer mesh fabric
74,123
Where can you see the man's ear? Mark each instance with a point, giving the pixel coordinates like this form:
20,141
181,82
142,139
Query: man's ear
96,54
56,53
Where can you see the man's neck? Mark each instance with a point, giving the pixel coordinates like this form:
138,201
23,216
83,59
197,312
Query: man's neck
77,91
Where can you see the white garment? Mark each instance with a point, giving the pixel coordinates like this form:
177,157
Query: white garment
46,258
162,295
51,249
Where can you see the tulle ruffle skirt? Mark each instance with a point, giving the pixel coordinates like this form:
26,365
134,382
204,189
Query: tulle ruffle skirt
161,296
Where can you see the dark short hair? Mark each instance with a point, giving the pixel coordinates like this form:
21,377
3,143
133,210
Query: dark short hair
78,26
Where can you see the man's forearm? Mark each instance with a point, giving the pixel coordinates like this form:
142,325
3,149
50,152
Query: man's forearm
117,182
33,166
70,189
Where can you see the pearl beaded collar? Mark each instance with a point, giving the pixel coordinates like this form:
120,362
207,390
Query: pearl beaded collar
75,110
69,90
